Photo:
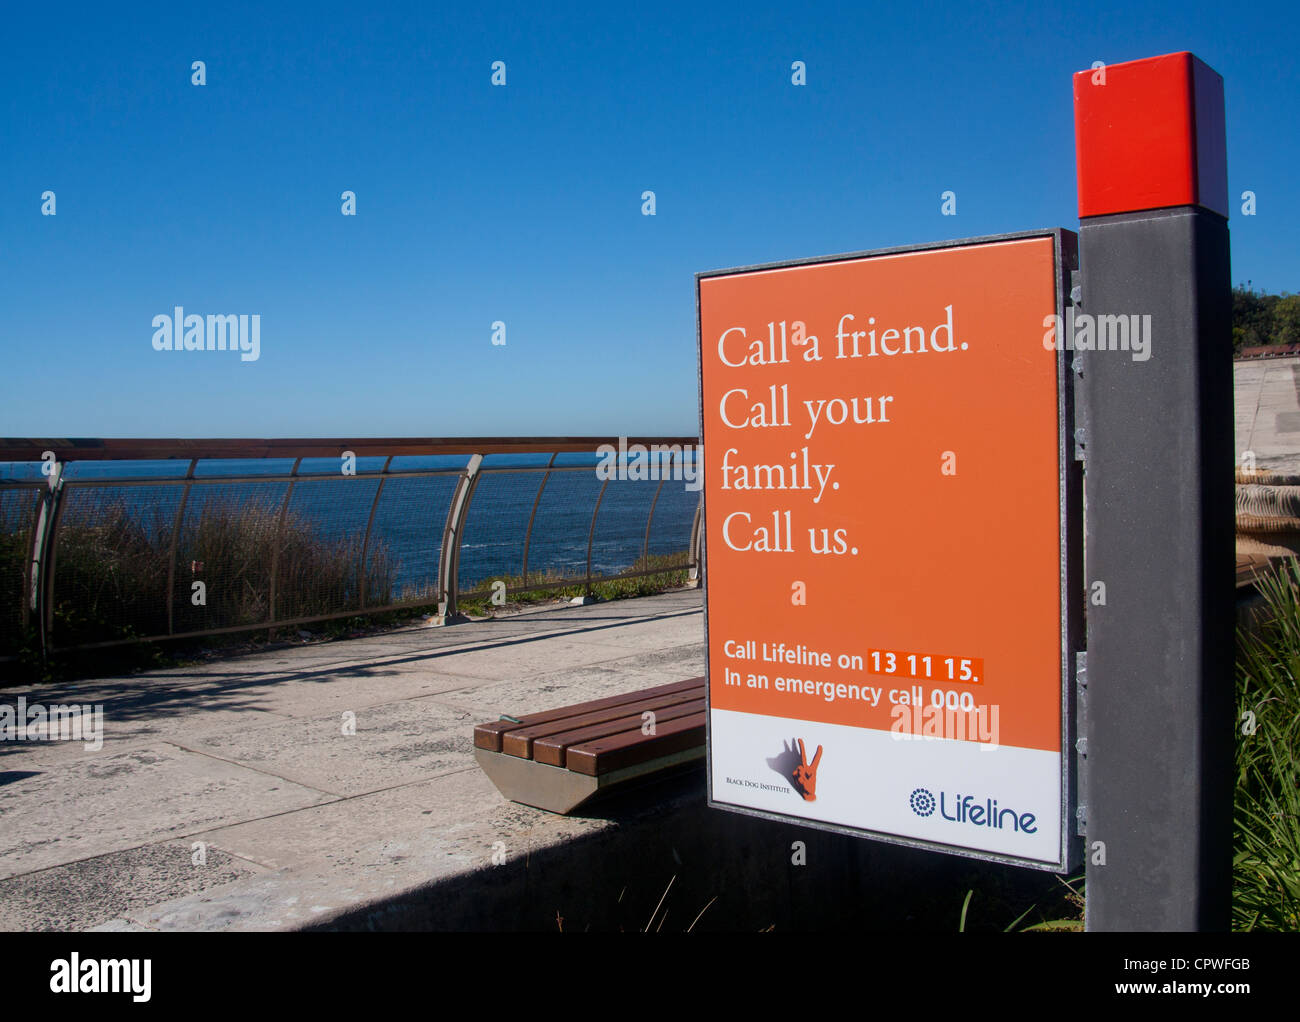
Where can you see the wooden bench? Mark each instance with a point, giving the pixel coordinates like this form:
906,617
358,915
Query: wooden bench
559,759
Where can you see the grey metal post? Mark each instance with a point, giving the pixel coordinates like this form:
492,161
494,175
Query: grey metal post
1158,455
452,534
41,569
528,535
591,534
696,561
365,543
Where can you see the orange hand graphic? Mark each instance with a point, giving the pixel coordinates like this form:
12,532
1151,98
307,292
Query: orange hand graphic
805,774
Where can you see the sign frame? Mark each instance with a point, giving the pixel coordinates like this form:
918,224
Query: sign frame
1073,686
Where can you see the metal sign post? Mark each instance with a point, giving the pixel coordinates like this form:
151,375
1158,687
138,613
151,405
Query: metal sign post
1155,348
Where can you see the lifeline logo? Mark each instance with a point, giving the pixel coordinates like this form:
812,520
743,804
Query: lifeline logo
987,815
102,976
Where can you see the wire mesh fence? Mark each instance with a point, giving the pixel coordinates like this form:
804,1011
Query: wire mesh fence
117,549
19,506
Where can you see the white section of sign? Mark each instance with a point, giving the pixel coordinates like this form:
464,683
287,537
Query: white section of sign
1004,800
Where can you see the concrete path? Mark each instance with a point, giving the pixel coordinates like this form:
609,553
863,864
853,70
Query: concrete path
228,796
1267,393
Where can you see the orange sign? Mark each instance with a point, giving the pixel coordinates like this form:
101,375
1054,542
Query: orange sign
882,519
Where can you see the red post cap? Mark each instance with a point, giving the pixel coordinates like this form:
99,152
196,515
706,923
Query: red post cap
1150,134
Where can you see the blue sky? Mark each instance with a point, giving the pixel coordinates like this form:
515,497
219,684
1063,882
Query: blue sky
523,203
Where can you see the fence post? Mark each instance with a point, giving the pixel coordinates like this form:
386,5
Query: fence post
649,521
528,536
452,533
365,543
41,570
697,543
1158,456
591,534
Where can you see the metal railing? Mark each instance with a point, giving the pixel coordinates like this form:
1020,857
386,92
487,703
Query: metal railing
93,559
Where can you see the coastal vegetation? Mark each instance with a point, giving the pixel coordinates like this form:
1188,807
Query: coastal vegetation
114,564
1260,318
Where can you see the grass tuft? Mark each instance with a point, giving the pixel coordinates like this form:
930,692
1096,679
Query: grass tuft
1266,819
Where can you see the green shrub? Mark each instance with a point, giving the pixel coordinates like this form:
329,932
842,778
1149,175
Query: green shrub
111,569
1266,838
669,571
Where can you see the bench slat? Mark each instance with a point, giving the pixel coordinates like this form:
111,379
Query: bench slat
614,753
519,741
550,750
489,736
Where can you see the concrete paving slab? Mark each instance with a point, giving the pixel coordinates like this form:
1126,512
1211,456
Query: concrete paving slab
87,893
91,807
561,688
459,816
343,689
393,743
298,819
143,706
363,851
523,657
664,631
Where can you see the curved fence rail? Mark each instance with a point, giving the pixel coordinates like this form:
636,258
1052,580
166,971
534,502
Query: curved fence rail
104,542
